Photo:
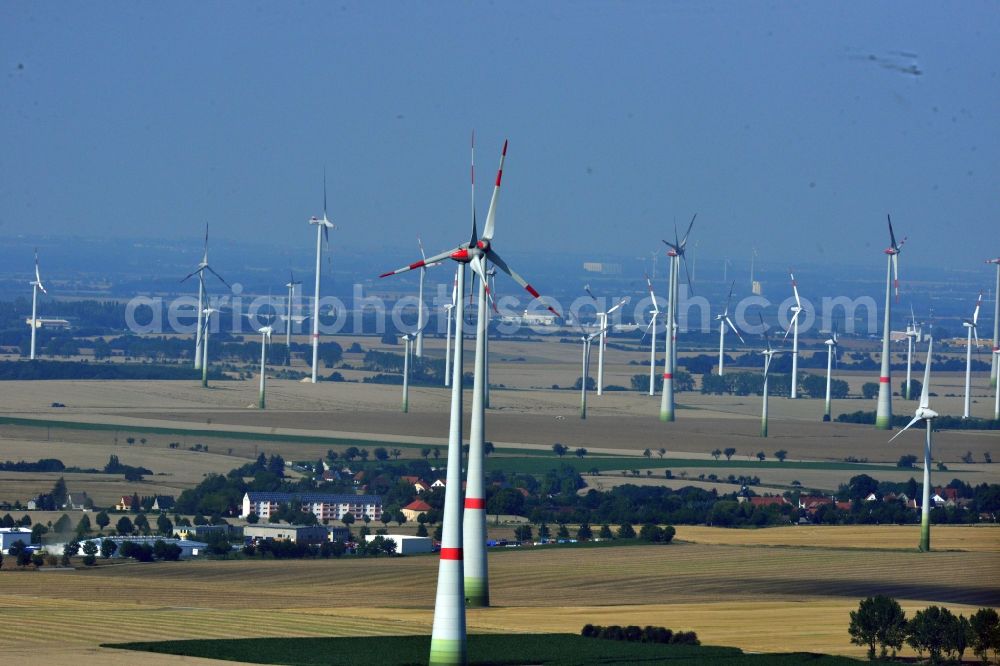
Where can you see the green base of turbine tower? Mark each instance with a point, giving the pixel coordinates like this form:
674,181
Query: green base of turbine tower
883,422
667,416
477,593
447,652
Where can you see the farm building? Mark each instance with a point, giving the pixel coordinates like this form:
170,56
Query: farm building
294,533
188,548
201,531
405,544
412,510
11,535
323,506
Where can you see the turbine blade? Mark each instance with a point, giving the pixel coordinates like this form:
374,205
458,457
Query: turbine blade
688,232
975,313
735,330
421,244
925,390
892,236
472,172
687,270
324,193
895,274
619,304
795,289
586,288
491,215
502,265
221,279
422,262
729,300
191,274
915,419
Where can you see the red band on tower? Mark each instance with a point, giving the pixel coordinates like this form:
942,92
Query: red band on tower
475,503
451,553
883,380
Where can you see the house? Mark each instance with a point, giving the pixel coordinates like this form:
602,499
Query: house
414,509
163,503
812,503
11,535
78,501
768,500
419,485
124,504
439,483
324,506
308,534
871,497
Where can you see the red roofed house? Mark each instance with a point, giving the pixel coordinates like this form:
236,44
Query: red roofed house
413,510
776,500
124,504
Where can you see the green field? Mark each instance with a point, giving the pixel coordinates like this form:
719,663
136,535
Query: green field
541,465
483,649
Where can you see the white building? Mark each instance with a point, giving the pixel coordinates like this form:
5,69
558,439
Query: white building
406,544
324,506
283,532
11,535
188,548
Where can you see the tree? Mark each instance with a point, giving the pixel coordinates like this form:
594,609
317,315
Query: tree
562,532
730,452
108,548
102,520
425,452
581,452
559,449
584,533
141,523
781,454
163,525
130,440
869,390
626,531
83,527
348,520
661,452
396,453
70,550
89,553
381,454
985,633
760,456
929,631
647,453
62,525
879,621
605,532
124,525
716,453
437,453
906,461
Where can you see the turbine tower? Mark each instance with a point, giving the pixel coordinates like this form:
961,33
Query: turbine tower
768,354
970,324
476,252
995,367
676,252
585,369
794,329
926,414
602,324
265,340
655,312
288,316
724,321
202,295
831,355
36,285
883,416
449,308
996,390
912,334
207,312
407,347
323,226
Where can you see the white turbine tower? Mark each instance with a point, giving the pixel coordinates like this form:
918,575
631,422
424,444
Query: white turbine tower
793,328
926,414
996,390
323,226
602,324
883,415
202,295
475,252
36,286
970,324
725,321
407,348
995,367
449,308
912,333
585,368
676,252
831,356
265,340
289,317
207,312
655,312
768,356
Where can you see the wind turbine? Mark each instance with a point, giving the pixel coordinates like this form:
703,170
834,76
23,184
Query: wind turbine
831,354
407,346
970,324
323,226
926,414
449,308
883,416
475,252
419,349
912,333
491,283
995,367
768,354
585,369
265,340
675,253
724,321
794,329
288,316
36,285
996,390
200,272
655,312
602,324
207,312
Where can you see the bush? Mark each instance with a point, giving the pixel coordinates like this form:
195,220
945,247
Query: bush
647,634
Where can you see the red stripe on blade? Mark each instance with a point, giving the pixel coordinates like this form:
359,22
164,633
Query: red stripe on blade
451,553
499,175
387,274
505,146
474,503
417,264
531,290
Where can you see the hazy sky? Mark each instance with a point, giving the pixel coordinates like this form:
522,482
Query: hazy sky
794,127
